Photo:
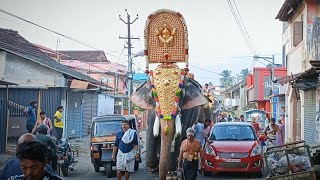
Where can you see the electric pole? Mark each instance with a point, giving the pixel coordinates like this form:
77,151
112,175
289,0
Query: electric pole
129,75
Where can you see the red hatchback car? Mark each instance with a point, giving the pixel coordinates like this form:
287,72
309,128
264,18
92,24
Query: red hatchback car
233,147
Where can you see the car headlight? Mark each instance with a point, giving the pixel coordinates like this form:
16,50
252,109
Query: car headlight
256,151
209,150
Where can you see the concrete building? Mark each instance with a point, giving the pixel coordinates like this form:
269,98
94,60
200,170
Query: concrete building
301,57
27,74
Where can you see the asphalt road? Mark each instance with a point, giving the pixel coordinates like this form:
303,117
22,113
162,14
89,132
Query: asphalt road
84,170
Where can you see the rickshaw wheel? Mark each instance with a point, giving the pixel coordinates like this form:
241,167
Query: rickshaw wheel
108,169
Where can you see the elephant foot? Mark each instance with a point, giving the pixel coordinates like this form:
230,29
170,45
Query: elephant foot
171,176
153,170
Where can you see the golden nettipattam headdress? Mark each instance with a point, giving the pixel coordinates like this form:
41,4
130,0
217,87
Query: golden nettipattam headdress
166,38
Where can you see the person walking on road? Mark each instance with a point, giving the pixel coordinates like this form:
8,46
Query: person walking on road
43,120
255,125
30,113
126,145
280,134
58,123
188,157
271,130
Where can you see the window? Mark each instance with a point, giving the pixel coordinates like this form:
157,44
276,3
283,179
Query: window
297,32
233,133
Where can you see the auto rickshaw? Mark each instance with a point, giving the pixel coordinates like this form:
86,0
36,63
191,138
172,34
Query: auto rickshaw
102,138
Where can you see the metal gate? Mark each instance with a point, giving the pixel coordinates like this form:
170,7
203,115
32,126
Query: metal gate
310,116
3,123
74,115
90,108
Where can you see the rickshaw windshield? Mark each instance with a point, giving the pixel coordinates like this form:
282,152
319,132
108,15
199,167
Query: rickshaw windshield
107,128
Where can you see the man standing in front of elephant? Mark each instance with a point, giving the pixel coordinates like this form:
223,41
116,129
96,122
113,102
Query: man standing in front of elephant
126,145
188,157
202,132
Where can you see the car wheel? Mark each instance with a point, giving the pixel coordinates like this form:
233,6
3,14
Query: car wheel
206,173
108,169
96,168
136,165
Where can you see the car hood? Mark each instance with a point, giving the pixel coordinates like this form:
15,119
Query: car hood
233,146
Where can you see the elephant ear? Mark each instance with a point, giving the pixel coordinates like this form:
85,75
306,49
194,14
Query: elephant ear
193,95
143,97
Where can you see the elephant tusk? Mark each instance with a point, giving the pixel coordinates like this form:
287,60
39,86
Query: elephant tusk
156,127
178,124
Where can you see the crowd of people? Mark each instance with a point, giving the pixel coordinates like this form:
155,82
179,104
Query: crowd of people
36,152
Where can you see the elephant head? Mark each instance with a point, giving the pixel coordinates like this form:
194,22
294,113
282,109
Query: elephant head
167,92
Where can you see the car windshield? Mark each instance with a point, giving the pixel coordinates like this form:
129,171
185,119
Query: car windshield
106,128
233,133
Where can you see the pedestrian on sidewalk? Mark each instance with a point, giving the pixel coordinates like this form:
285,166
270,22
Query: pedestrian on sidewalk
31,115
58,123
126,145
43,120
188,157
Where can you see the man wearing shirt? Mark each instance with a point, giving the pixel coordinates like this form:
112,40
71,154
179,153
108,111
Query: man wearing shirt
30,113
58,123
126,145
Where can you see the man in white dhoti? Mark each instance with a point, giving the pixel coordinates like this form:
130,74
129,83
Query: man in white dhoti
126,148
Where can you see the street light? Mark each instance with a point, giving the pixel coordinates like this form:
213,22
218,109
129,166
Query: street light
272,68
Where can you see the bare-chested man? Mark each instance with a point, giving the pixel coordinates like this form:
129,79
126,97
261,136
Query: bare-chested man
188,157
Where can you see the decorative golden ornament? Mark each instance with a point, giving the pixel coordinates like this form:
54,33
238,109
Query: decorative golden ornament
166,82
166,37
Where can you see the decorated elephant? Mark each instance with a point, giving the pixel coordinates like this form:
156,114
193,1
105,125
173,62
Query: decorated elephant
191,104
173,99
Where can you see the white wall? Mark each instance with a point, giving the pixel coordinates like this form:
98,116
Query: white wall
28,73
105,105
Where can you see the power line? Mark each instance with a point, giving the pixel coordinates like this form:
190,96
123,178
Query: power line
60,34
204,69
242,28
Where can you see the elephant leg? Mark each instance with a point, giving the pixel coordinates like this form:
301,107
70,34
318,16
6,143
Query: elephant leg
189,117
152,143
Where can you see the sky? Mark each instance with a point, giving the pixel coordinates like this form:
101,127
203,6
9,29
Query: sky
215,41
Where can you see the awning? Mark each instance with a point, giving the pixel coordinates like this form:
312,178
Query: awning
302,81
6,83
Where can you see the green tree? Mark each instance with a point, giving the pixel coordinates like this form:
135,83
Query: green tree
244,73
226,80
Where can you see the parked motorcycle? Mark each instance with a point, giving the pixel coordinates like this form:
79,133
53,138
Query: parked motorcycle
66,156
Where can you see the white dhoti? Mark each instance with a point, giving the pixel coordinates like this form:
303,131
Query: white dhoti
125,161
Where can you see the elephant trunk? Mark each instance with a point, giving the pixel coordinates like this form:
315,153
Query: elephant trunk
166,142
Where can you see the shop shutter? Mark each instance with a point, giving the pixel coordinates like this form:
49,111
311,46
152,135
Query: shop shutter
310,116
74,116
90,103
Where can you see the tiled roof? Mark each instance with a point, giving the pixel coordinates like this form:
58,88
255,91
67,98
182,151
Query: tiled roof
85,56
12,42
